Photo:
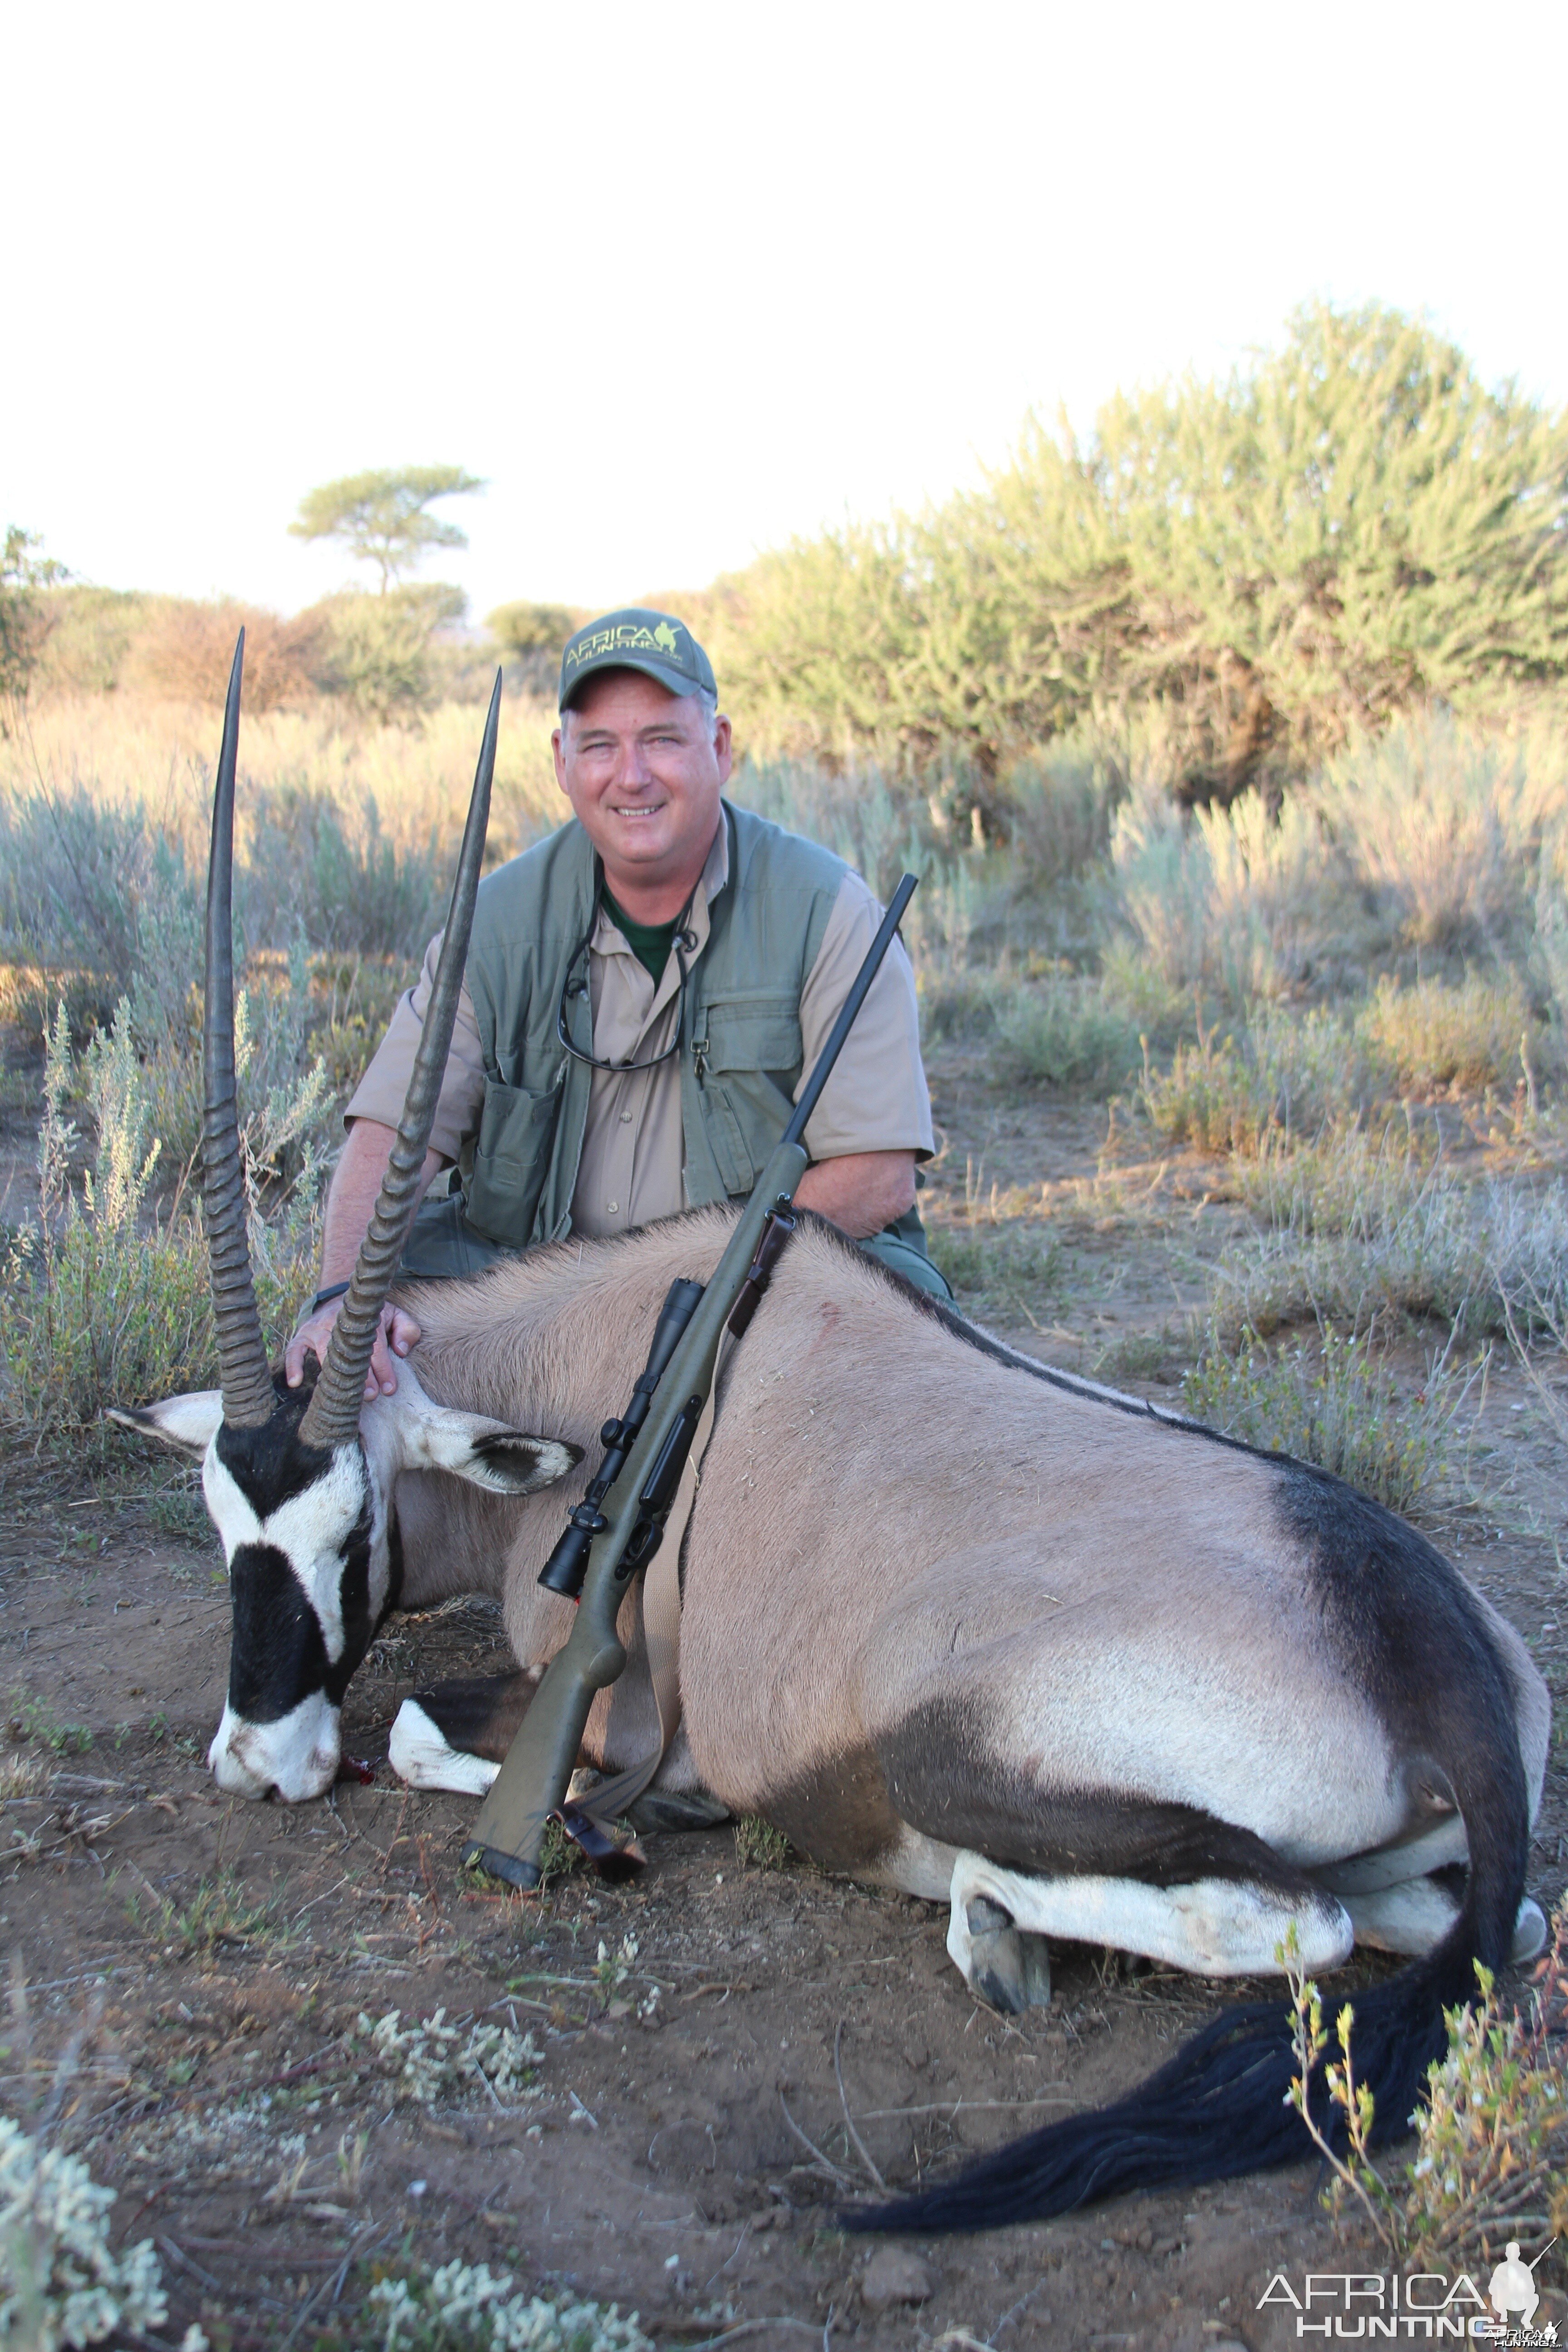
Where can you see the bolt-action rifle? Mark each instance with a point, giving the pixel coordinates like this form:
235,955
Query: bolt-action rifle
615,1530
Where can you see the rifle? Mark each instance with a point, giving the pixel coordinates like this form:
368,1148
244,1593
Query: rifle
646,1450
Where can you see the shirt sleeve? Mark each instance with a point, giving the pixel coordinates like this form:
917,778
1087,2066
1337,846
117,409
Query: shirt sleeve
875,1100
380,1093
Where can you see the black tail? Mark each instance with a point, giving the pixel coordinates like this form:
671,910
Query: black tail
1219,2107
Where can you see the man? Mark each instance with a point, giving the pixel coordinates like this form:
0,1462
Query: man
646,994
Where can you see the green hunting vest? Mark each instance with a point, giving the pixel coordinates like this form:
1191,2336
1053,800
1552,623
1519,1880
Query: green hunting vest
741,1050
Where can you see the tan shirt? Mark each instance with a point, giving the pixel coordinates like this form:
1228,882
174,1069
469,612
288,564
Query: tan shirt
632,1169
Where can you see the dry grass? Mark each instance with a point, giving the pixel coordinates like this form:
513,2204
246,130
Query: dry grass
135,753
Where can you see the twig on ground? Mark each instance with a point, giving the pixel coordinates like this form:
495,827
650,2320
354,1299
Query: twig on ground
856,2141
834,2171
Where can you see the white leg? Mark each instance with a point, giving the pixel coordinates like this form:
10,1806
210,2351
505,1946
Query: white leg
1413,1918
420,1753
1216,1927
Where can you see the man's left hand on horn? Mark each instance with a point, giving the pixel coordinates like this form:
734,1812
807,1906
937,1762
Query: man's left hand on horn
646,992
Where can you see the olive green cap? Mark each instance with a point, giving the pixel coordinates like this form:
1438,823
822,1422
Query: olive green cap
662,648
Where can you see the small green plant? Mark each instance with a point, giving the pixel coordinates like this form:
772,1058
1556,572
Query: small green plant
611,1969
429,2060
34,1719
758,1845
1491,2136
1341,1410
219,1913
456,2305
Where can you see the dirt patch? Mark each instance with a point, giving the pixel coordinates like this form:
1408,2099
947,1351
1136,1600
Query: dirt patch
682,2147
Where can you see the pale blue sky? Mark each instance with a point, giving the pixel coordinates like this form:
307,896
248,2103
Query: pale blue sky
683,281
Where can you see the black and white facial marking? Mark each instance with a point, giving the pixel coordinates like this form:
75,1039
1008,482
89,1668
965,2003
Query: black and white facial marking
314,1559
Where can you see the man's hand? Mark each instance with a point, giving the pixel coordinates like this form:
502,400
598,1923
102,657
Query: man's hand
350,1204
398,1333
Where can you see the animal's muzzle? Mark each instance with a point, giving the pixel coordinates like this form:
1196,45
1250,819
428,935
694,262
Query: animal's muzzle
294,1757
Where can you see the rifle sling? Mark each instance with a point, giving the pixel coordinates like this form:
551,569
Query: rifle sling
661,1578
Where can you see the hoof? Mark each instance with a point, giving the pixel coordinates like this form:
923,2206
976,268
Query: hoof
1529,1933
420,1753
1009,1971
676,1809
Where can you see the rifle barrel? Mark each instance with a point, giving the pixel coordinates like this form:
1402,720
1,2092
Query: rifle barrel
812,1091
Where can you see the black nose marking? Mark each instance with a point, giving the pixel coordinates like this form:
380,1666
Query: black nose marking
278,1656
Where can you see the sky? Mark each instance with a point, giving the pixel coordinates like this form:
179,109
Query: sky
682,282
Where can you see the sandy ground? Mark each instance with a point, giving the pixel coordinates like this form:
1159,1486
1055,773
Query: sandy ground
685,2146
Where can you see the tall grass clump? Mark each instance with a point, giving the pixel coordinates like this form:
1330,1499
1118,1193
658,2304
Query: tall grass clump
1340,1409
102,1303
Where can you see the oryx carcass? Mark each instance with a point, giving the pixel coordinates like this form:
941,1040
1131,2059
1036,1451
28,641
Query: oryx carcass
958,1624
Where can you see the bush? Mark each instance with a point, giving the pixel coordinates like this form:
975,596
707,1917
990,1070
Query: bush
347,891
1492,2135
1285,1077
184,651
1341,1410
1442,824
99,1308
1476,1034
60,2280
1063,1032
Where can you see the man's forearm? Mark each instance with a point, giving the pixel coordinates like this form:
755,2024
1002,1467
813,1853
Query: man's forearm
861,1191
351,1201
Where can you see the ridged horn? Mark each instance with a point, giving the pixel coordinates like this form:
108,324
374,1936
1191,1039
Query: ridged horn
247,1397
331,1417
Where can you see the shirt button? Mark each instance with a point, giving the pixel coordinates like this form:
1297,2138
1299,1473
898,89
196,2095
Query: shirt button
626,1118
612,1207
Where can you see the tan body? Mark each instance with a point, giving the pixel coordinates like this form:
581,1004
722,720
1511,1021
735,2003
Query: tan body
924,1584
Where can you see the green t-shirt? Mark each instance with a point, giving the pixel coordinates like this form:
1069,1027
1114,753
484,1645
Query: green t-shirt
649,942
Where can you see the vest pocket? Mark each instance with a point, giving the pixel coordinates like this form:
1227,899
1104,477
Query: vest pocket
758,1032
511,1160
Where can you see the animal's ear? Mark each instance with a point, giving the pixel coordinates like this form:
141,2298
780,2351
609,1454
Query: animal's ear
486,1454
186,1423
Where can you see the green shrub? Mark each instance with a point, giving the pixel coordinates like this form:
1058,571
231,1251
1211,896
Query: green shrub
1006,1264
1477,1034
350,890
1064,1032
100,1306
1340,1409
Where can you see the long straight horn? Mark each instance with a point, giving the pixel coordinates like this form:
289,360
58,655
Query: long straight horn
247,1397
331,1417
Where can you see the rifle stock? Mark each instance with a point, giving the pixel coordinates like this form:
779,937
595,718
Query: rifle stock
530,1787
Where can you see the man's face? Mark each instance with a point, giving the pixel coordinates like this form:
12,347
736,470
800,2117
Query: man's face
643,771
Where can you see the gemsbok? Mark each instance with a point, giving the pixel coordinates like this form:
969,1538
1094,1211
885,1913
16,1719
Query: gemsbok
957,1623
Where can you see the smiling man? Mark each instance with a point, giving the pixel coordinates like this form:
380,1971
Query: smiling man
646,992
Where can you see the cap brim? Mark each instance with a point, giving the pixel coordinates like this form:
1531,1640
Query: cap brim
674,681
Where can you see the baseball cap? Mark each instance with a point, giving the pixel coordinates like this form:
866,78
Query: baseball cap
662,648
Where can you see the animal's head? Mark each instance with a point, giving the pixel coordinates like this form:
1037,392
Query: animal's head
298,1483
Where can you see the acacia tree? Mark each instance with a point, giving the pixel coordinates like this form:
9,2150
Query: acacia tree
382,517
